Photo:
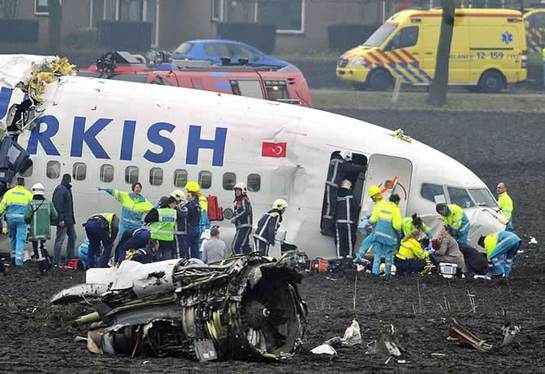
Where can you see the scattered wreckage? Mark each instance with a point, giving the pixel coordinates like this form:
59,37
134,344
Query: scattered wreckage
245,307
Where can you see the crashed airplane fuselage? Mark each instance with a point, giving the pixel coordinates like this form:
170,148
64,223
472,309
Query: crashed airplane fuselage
246,308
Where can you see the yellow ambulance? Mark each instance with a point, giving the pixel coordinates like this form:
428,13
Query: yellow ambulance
488,51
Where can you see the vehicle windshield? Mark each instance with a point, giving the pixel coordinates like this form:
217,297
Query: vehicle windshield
379,36
183,48
483,197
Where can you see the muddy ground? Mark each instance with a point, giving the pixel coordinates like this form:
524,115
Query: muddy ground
34,338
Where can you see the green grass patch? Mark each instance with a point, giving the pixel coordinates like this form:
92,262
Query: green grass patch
457,101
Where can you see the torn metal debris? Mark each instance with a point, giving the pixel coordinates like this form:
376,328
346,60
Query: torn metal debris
246,307
466,338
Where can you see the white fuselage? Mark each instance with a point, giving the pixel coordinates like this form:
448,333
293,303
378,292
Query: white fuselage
169,129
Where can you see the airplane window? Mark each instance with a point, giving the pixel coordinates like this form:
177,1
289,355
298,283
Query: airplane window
27,173
205,179
131,174
107,173
53,169
253,182
460,197
180,178
483,197
156,176
433,193
229,181
79,171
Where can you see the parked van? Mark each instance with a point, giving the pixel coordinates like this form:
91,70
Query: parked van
535,29
488,50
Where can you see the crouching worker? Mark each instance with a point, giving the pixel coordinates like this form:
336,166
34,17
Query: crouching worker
101,229
456,220
144,255
501,248
162,223
411,257
447,250
133,239
40,215
267,226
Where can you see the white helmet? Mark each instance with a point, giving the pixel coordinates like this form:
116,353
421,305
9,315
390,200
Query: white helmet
38,189
346,155
346,184
241,186
280,204
179,195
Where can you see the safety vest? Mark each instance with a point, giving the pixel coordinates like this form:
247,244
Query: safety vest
108,217
411,249
490,242
15,202
164,228
134,206
387,220
506,205
456,218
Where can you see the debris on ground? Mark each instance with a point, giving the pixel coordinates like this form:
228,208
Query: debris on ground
386,344
466,338
532,240
508,329
324,349
352,335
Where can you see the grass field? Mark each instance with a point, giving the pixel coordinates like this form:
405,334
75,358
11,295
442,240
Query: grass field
457,101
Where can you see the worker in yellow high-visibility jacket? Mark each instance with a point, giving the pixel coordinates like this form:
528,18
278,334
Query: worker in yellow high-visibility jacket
506,205
14,204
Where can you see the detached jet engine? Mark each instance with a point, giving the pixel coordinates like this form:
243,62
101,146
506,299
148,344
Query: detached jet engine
246,308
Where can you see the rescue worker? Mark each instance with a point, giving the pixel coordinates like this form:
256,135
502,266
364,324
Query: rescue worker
101,229
447,250
14,204
162,225
501,248
415,222
193,220
506,205
40,215
387,220
375,193
145,255
134,206
411,257
265,233
340,168
456,220
64,204
133,239
346,215
243,220
181,224
204,222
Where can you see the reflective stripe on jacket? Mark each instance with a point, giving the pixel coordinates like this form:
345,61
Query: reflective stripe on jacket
15,202
411,249
500,242
387,220
133,206
164,228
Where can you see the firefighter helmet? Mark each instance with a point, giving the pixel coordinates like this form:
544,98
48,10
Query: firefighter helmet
280,204
241,186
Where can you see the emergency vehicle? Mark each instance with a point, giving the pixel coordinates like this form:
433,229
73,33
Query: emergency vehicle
488,50
259,83
534,20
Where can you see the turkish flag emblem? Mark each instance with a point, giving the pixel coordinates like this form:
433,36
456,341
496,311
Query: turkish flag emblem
269,149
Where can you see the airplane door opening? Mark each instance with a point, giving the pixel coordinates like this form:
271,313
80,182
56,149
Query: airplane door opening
341,168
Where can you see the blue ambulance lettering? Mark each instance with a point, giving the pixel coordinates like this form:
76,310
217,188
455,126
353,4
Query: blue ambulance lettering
47,127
